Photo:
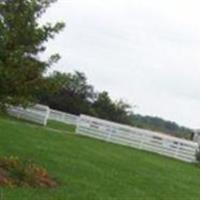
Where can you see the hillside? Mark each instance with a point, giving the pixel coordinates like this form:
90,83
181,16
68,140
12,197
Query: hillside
92,170
161,125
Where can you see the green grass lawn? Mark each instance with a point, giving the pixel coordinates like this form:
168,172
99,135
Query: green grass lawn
93,170
61,126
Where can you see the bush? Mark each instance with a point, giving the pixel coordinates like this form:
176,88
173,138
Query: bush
15,172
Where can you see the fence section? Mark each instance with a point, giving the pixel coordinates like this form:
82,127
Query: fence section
138,138
63,117
38,113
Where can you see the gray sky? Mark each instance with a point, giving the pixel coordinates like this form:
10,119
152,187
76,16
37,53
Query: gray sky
146,52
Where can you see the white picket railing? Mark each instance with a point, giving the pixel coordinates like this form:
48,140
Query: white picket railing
63,117
37,113
138,138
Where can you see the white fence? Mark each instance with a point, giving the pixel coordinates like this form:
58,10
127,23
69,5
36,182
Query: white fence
138,138
63,117
113,132
41,114
38,113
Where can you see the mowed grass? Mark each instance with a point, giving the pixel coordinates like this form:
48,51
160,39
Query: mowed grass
93,170
61,126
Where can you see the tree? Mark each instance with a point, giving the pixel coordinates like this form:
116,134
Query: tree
123,111
104,106
69,93
108,109
21,40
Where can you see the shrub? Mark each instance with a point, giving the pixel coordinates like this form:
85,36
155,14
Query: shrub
15,172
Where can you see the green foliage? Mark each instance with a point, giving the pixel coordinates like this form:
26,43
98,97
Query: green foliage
68,92
71,93
21,40
106,108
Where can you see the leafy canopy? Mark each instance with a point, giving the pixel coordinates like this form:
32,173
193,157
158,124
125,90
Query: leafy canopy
22,39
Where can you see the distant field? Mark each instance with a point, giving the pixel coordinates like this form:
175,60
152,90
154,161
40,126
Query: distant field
93,170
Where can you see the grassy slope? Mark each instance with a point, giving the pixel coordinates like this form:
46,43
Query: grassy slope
94,170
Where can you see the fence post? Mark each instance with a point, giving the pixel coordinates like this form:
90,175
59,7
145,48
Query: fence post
47,116
141,141
78,122
177,150
109,136
63,117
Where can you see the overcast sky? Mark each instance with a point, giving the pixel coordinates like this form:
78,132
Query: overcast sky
144,51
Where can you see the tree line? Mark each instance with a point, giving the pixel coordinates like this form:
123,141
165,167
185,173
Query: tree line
71,92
